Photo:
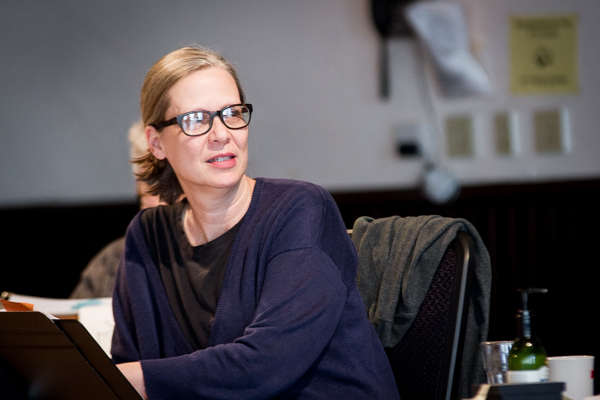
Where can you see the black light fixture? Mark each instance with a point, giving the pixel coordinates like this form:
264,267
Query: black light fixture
388,16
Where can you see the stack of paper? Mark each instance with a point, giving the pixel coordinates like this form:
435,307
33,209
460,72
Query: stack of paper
94,314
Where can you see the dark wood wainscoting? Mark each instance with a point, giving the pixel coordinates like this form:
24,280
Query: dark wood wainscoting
542,235
46,248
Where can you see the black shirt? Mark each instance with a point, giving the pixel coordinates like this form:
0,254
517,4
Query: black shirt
192,276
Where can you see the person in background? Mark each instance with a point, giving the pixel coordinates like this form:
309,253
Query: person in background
98,277
246,288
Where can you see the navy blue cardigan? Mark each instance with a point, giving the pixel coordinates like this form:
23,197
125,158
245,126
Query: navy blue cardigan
290,322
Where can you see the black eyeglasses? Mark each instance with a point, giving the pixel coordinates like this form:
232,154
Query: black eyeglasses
196,123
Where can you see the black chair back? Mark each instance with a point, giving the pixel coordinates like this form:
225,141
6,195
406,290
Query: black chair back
426,362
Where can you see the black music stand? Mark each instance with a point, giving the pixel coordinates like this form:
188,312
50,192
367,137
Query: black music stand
43,358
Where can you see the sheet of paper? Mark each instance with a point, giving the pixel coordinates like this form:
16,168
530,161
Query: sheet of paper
99,322
543,52
94,314
59,307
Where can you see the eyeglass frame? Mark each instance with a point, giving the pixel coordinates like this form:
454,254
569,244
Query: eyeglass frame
178,119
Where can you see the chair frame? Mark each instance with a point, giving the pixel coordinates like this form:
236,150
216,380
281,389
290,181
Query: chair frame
463,247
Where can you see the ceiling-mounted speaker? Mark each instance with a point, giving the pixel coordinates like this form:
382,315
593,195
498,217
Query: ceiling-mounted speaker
389,19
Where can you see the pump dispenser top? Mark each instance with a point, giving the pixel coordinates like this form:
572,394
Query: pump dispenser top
524,315
527,358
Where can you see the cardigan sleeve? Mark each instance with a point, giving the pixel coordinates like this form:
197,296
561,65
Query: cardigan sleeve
301,303
124,344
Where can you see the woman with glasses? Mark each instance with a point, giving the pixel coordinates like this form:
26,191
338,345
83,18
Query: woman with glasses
245,288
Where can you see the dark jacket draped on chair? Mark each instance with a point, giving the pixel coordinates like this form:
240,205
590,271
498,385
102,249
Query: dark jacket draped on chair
397,259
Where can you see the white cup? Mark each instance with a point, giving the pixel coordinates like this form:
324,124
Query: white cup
577,372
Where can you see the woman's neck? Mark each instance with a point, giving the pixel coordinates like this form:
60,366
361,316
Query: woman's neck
212,213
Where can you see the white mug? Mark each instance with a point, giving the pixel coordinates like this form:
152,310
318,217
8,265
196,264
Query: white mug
577,372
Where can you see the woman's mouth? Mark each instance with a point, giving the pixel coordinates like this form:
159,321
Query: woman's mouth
219,159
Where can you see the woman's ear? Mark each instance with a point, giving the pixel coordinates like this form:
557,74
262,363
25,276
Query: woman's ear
155,143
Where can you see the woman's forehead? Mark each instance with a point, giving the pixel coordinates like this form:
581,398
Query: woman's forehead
207,89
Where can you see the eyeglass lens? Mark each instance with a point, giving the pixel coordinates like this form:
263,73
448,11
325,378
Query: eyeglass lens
199,122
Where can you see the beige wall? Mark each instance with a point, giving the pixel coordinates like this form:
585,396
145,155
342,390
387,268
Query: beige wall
71,71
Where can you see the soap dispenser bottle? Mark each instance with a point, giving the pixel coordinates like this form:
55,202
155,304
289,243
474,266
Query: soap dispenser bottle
527,357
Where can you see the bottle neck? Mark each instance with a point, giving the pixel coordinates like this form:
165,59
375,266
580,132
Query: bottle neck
525,323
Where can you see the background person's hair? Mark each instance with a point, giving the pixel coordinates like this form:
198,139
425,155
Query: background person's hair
138,144
155,101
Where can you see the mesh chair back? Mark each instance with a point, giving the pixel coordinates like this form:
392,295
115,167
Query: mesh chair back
427,360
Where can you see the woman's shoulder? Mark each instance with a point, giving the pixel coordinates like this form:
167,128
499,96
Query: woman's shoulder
292,198
155,219
273,187
161,214
303,213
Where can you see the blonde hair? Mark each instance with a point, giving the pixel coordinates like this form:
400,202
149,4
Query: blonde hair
138,144
155,101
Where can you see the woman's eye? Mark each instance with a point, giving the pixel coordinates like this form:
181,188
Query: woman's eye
232,114
197,119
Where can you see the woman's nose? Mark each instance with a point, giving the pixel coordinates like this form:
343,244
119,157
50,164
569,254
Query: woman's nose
219,132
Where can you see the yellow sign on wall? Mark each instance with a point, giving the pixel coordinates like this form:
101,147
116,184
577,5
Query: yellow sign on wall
543,51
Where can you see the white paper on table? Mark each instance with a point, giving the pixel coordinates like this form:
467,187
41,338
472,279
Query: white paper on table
59,307
95,314
100,323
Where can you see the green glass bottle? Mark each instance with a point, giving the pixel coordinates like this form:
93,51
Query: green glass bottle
527,357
